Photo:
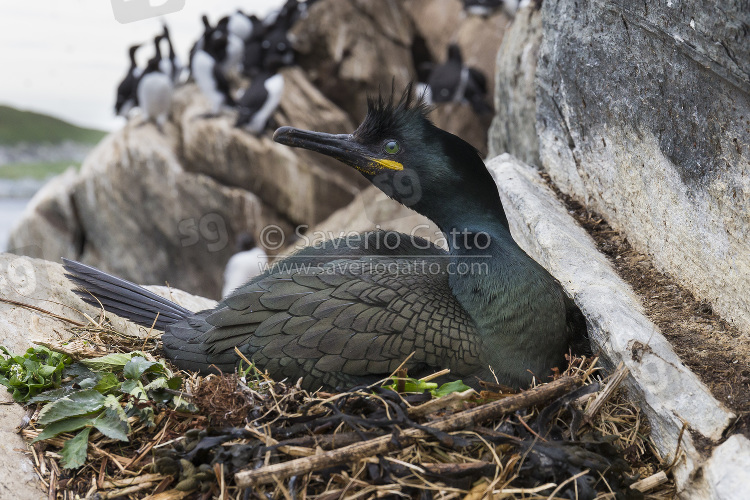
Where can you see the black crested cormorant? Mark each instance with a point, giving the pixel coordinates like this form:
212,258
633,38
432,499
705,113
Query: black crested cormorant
483,308
174,68
127,97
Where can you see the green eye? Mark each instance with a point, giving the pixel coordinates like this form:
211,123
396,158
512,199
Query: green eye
391,147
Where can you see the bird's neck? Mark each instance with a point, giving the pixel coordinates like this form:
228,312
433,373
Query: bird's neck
485,262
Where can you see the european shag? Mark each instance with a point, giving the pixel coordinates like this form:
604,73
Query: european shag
127,97
341,314
174,68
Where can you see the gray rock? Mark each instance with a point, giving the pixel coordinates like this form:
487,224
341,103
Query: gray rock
725,474
461,120
50,224
669,393
644,115
513,128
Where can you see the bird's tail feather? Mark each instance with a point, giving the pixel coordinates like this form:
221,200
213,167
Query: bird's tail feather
122,297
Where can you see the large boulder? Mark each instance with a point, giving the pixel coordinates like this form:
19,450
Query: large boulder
135,212
513,129
643,113
50,219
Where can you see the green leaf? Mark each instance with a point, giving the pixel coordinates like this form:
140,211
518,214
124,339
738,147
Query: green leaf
138,366
110,362
130,387
46,371
66,425
113,403
52,395
38,369
74,450
156,392
111,425
108,382
73,405
77,370
89,382
449,387
413,385
174,383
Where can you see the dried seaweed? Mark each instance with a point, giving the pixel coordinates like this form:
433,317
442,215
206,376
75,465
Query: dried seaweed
555,448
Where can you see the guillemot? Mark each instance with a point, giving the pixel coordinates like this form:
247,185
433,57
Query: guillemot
155,89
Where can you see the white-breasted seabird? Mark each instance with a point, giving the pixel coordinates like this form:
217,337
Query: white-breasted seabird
207,73
155,90
259,101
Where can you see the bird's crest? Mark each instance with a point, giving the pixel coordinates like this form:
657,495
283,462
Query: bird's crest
384,114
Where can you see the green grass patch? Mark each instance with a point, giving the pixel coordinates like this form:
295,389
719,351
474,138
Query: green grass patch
18,126
34,170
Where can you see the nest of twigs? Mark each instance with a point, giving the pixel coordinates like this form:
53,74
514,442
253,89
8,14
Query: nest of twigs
577,436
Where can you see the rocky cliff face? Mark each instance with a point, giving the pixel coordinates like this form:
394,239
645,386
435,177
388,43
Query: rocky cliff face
640,111
643,112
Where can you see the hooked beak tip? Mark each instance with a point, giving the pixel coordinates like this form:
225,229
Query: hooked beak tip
282,134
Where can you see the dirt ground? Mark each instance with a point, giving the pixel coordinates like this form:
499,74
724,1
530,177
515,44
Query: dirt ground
712,348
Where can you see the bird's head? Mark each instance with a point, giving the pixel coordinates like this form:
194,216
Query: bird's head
411,160
133,49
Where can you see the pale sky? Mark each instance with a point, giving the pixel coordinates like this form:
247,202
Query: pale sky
66,57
